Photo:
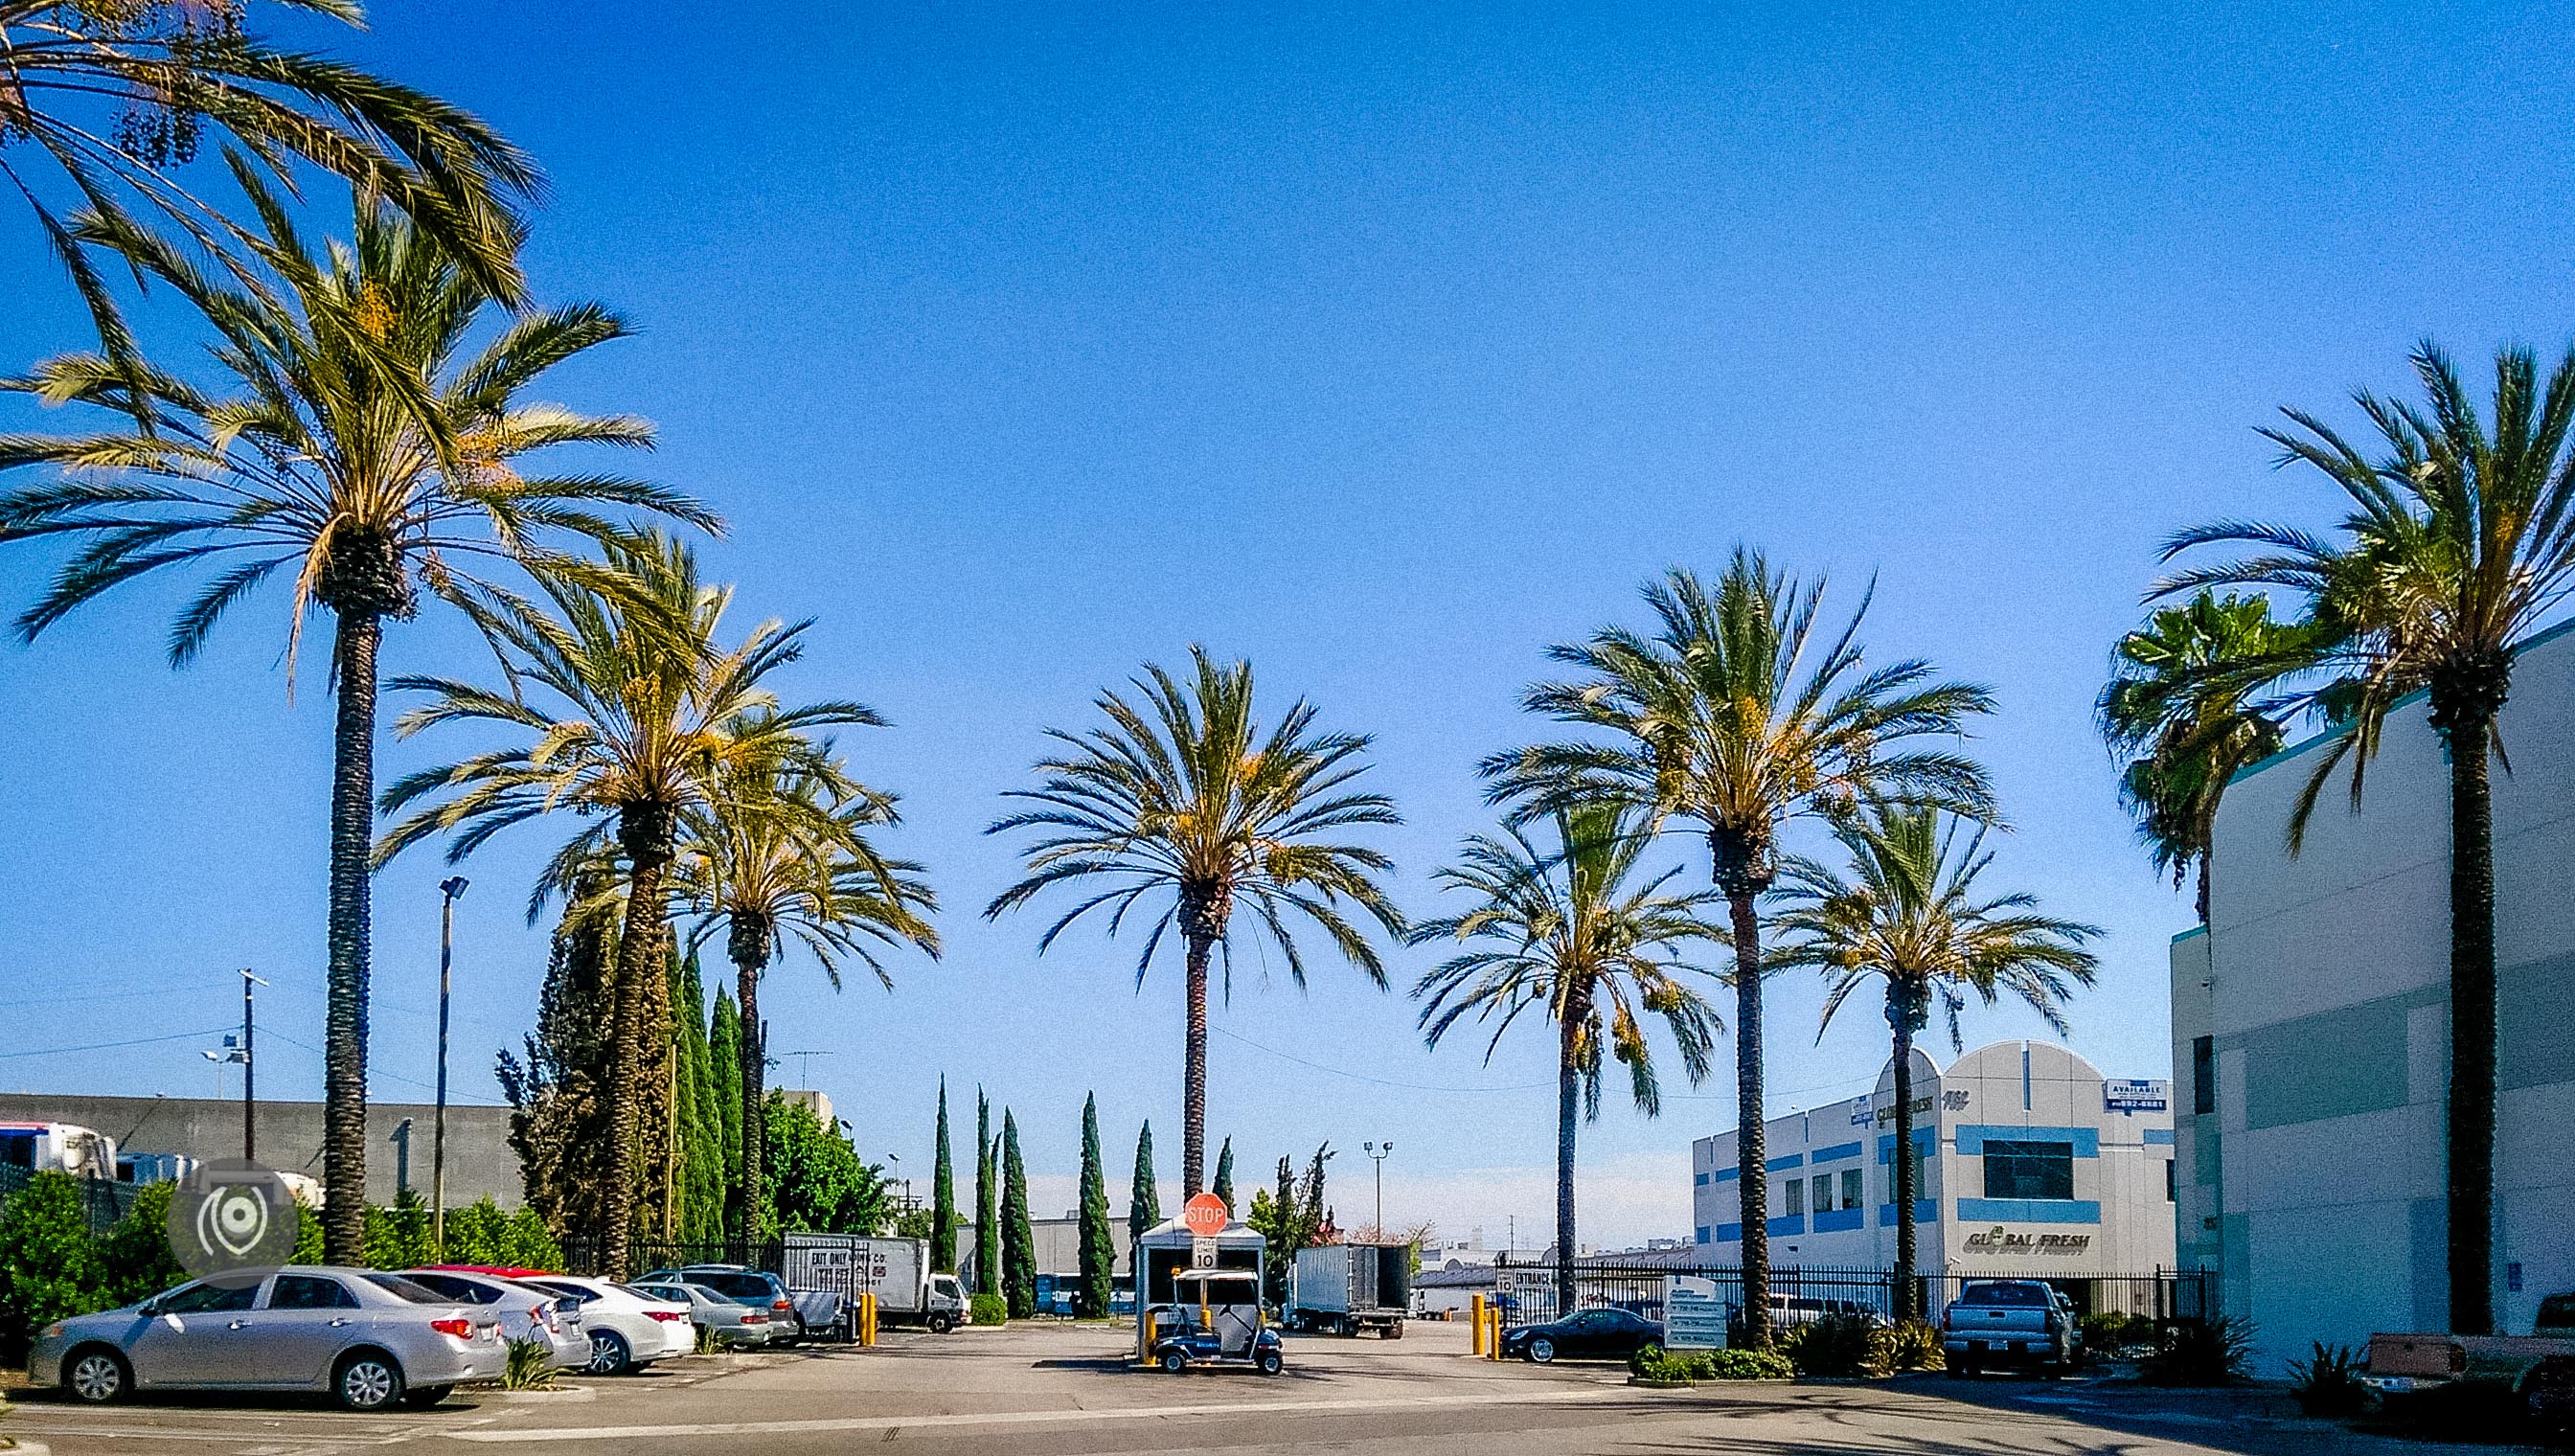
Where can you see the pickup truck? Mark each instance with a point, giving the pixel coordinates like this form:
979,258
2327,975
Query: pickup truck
2530,1368
2009,1322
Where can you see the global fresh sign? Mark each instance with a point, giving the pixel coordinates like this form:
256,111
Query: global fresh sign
2003,1242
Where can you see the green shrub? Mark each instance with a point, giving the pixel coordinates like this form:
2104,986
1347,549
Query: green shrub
136,1253
478,1233
49,1262
1746,1366
988,1309
525,1242
1915,1345
531,1367
2329,1383
2111,1330
2200,1352
1836,1347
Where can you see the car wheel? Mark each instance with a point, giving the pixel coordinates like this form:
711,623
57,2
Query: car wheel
941,1322
1270,1362
1395,1331
368,1382
98,1376
1541,1350
423,1396
1174,1362
607,1353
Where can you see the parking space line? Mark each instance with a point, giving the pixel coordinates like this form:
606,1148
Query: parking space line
1041,1417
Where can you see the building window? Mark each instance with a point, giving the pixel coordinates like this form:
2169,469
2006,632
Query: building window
2171,1191
1796,1197
2203,1074
1850,1189
2029,1170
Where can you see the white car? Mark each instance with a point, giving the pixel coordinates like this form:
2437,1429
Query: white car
736,1324
527,1312
628,1331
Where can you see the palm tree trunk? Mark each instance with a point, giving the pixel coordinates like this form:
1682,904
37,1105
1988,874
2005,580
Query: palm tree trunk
1569,1085
645,834
751,1193
1194,1074
1751,1147
1900,1159
2472,1024
350,940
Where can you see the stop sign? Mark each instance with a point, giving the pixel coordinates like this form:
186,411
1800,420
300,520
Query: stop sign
1205,1215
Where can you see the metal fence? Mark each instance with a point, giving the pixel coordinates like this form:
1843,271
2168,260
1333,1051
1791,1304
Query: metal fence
1526,1288
103,1200
802,1262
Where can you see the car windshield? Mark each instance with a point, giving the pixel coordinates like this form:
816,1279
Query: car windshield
402,1288
2029,1295
567,1290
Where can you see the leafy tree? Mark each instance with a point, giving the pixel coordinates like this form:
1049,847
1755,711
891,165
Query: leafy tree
987,1226
1289,1218
822,1186
398,1237
1224,1187
1722,719
1019,1239
2180,710
1578,935
1910,915
49,1262
2457,549
1144,1200
359,444
627,710
558,1094
135,1259
724,1051
778,853
1188,796
117,94
1099,1247
943,1196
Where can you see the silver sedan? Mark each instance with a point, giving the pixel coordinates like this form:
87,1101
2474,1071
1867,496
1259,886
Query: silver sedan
370,1339
729,1320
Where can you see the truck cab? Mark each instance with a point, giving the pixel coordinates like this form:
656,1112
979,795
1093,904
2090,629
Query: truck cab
2515,1366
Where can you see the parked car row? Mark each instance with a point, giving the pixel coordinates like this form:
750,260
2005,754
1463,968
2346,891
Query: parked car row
374,1340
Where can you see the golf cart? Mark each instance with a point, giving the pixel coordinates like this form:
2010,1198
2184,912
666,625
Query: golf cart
1226,1328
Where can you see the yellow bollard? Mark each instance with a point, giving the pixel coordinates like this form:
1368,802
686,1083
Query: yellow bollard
867,1320
1476,1313
1493,1333
1150,1323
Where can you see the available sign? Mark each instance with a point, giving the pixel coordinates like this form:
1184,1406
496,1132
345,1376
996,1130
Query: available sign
2136,1096
1694,1317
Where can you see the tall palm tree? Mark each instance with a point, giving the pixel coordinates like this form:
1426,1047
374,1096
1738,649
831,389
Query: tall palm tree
1579,933
1909,914
2457,546
778,853
627,711
1740,716
1187,796
2181,707
320,457
111,98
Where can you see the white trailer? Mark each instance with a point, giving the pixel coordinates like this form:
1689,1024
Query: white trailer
1346,1288
895,1270
58,1148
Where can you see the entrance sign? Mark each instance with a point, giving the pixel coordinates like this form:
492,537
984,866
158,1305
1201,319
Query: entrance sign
2136,1096
1694,1317
1201,1252
1205,1215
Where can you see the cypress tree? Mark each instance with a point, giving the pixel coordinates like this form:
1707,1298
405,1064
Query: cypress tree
1225,1175
1144,1203
1019,1240
1099,1247
724,1053
943,1196
701,1220
988,1225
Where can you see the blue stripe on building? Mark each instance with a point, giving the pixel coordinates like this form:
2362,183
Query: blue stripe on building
1729,1234
1702,1234
1837,1152
1794,1223
1700,1179
2028,1211
2159,1137
1971,1138
1727,1175
1926,1210
1792,1160
1886,1143
1835,1220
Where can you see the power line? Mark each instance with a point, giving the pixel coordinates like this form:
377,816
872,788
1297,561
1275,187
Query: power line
110,1045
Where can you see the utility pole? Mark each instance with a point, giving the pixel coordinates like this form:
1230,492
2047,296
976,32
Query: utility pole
1378,1152
448,888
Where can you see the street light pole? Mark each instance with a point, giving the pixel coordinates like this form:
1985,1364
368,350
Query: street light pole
448,888
1376,1152
250,1139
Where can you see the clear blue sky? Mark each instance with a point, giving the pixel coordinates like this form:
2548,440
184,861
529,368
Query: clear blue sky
1384,347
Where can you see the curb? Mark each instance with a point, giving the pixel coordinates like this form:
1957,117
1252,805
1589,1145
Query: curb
569,1395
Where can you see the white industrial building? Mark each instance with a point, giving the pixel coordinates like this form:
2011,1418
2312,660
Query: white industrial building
2311,1034
2032,1163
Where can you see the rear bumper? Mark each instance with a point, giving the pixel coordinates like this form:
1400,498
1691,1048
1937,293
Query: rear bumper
455,1364
2004,1350
2406,1384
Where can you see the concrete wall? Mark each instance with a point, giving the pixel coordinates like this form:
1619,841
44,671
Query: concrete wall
480,1161
2327,1005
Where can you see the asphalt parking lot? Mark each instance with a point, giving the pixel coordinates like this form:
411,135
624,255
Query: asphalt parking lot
1052,1390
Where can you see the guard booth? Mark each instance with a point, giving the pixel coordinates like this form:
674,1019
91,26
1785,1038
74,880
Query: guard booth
1172,1289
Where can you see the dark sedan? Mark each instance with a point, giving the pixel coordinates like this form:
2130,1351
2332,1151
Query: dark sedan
1585,1334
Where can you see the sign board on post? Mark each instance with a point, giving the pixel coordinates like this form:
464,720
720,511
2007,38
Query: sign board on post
1201,1252
1694,1317
1205,1215
2136,1096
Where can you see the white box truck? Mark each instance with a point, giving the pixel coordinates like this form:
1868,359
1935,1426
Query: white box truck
1346,1288
895,1270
